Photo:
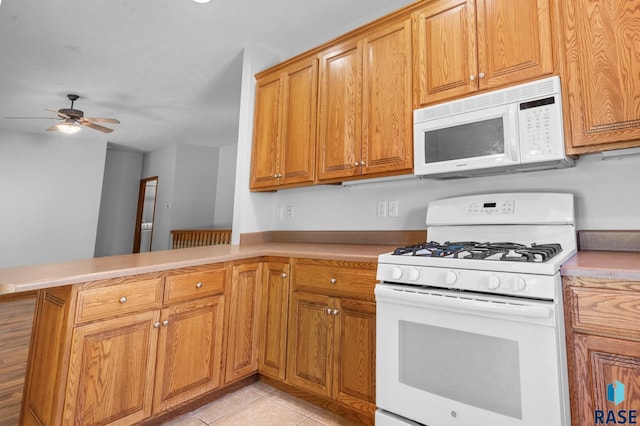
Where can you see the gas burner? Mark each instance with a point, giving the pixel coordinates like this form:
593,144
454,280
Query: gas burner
505,251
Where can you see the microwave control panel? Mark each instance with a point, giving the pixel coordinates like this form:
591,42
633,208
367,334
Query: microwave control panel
540,126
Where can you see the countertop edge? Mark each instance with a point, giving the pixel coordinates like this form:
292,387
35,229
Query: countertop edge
37,277
614,265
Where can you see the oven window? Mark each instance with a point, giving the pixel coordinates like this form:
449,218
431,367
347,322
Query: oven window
475,369
477,139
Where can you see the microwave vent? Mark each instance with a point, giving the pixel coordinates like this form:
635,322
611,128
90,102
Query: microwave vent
523,92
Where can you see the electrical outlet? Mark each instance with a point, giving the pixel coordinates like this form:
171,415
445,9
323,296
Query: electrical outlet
289,212
381,209
393,208
280,213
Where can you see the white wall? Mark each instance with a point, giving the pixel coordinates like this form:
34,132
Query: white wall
223,217
50,189
118,205
194,191
606,192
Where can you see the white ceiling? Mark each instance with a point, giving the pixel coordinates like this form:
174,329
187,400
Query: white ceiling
169,70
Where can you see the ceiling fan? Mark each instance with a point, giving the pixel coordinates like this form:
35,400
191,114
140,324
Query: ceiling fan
72,120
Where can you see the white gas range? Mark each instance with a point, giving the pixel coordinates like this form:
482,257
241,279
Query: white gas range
470,323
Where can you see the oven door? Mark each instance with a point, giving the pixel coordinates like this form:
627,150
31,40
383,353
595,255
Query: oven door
448,358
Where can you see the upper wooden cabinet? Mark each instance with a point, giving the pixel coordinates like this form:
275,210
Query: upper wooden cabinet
284,139
462,46
602,74
365,112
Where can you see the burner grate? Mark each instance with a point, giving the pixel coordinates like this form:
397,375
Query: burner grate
504,251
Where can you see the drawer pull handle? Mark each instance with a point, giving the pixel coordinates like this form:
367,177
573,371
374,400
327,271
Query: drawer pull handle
199,285
156,324
123,299
165,323
333,280
284,275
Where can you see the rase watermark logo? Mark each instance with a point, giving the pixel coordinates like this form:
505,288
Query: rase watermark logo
615,394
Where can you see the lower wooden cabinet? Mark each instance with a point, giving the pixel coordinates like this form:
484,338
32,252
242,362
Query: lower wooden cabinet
242,330
603,340
332,329
274,309
115,352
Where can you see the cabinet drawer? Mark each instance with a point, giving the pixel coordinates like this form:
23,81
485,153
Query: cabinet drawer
335,277
605,311
118,299
194,284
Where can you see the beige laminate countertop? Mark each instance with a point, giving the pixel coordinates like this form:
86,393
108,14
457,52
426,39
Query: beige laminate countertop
35,277
615,265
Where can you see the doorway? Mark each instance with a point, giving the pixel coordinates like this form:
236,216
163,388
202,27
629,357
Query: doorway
145,215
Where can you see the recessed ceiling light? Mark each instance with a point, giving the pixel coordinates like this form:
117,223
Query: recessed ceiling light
197,1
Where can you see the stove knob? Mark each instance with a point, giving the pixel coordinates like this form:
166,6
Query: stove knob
414,274
519,284
451,278
494,282
396,273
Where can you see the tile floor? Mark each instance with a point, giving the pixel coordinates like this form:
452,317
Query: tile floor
260,404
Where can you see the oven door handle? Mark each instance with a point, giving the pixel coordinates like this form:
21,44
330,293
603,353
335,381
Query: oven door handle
461,304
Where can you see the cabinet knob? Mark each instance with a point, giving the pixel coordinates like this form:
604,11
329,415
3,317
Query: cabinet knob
328,311
333,280
123,299
199,285
165,323
481,75
156,324
472,77
335,312
362,163
284,275
356,164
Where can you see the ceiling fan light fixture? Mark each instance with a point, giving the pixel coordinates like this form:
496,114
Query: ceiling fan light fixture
68,126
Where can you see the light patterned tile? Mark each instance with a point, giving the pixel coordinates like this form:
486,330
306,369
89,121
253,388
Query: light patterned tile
261,387
290,401
310,422
330,419
263,412
226,404
185,420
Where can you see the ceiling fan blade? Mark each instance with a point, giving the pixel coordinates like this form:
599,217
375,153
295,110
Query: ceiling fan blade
103,120
102,129
53,128
31,118
58,113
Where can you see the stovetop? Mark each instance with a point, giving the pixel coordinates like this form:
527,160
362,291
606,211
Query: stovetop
501,251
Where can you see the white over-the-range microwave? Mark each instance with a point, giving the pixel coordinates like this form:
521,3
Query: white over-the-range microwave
519,128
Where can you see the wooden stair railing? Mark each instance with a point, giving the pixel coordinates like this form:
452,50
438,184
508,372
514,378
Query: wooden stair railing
182,238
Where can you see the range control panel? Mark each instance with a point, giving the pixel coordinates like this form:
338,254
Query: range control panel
492,208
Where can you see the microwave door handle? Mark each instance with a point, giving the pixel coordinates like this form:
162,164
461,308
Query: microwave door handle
513,140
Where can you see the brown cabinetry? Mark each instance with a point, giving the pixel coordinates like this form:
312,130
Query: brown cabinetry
601,78
462,46
331,349
274,308
365,112
119,352
603,341
284,140
242,329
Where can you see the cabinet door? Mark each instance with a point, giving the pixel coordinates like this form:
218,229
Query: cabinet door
265,150
309,360
273,319
340,123
242,333
111,371
445,50
600,362
514,41
602,74
298,129
354,378
189,351
387,131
